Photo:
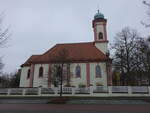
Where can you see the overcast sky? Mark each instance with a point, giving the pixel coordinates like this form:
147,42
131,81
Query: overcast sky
37,25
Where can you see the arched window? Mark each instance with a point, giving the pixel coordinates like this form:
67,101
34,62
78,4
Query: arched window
41,71
28,74
78,71
98,71
100,35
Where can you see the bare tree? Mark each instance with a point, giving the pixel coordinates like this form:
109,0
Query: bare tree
4,36
143,57
15,79
132,57
4,32
62,58
124,47
147,3
10,80
1,66
61,70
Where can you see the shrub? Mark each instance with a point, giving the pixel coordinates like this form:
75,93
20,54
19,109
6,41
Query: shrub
81,85
99,84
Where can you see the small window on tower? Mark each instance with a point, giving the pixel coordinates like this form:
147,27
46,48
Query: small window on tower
100,35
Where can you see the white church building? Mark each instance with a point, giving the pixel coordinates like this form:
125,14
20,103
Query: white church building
89,62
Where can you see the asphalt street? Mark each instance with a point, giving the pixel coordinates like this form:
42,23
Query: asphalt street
51,108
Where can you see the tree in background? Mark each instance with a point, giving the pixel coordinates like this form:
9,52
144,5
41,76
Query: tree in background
124,47
116,77
1,66
143,57
10,80
131,58
15,79
4,36
4,81
147,3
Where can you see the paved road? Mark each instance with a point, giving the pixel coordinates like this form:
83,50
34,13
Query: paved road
48,108
76,101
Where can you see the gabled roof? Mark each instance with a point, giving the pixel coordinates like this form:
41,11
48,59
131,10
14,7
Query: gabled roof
30,59
71,52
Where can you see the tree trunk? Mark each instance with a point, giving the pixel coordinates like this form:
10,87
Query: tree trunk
61,80
68,75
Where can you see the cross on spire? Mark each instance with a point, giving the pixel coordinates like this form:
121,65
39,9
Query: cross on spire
98,8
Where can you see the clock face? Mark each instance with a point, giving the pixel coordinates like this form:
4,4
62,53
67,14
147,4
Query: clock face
100,36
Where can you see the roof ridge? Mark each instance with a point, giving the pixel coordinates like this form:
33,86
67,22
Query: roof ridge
49,49
74,43
35,55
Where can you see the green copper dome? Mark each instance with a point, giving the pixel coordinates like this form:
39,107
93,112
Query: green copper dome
98,15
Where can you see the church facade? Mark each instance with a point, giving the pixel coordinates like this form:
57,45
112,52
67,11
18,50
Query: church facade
83,64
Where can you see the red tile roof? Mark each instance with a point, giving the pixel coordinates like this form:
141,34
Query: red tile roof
28,62
72,52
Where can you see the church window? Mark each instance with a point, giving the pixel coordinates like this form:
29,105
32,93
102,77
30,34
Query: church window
100,35
98,71
78,71
41,71
28,74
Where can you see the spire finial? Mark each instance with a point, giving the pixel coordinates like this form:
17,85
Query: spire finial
98,8
98,14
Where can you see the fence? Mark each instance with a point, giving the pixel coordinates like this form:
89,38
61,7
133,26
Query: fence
99,91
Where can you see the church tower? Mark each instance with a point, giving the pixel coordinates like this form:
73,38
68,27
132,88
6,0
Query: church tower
100,32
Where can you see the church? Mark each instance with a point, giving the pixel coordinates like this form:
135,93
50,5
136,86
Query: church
83,64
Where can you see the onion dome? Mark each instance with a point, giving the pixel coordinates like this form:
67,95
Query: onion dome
98,15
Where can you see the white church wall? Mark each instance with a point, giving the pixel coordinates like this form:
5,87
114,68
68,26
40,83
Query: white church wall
93,79
40,81
99,28
24,82
75,81
102,46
